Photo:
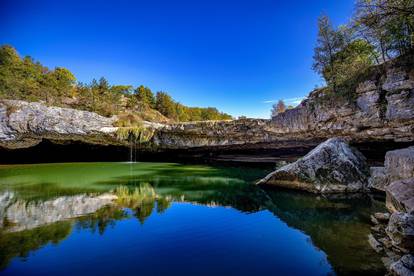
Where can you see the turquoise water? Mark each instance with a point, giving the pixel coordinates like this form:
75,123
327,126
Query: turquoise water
165,218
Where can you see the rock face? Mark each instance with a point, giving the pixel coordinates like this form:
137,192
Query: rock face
400,195
397,236
378,179
401,231
24,215
383,109
331,167
404,266
399,164
399,168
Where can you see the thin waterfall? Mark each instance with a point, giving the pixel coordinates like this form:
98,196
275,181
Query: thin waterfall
132,148
135,152
130,151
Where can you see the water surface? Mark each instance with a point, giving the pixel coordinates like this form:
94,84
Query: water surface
64,219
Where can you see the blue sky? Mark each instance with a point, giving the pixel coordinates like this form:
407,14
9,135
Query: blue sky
238,56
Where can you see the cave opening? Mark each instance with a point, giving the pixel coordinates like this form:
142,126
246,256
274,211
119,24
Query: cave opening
50,152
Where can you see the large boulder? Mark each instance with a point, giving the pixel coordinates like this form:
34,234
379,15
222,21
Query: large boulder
399,164
400,229
332,167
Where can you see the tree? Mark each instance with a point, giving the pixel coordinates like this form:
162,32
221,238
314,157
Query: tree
329,42
278,108
103,87
165,105
122,89
63,81
182,113
367,24
352,60
8,55
145,95
26,79
386,24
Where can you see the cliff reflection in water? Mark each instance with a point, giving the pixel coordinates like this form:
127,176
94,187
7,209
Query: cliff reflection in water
32,216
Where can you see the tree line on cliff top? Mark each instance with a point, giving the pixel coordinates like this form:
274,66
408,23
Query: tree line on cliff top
380,30
27,79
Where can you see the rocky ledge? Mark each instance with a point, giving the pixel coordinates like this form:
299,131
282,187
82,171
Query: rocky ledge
383,110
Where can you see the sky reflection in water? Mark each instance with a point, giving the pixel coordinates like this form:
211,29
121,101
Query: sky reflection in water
178,220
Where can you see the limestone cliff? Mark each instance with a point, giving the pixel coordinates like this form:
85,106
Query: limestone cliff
382,109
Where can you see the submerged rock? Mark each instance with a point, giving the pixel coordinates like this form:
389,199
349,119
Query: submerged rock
332,167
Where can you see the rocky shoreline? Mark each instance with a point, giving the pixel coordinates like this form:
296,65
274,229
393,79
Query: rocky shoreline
393,232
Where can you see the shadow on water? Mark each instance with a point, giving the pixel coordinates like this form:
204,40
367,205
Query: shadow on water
338,225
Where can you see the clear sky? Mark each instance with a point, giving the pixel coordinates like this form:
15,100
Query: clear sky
238,56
